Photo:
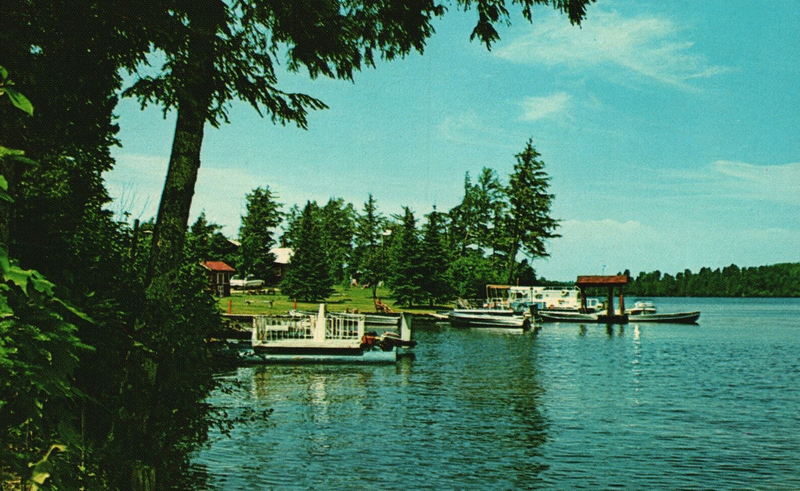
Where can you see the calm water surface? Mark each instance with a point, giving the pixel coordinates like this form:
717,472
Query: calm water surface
575,406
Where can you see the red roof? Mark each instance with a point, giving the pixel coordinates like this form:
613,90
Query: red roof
619,279
217,266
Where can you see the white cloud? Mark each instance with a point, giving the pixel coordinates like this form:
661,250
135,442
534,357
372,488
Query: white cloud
468,128
536,108
647,45
779,183
136,182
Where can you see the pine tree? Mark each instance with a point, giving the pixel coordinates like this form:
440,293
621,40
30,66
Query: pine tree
205,241
434,260
336,220
256,234
406,276
308,277
528,223
369,253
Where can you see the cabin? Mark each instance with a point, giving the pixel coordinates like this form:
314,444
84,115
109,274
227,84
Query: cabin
283,256
219,277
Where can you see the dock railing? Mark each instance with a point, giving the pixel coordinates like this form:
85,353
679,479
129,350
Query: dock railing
268,328
344,326
318,327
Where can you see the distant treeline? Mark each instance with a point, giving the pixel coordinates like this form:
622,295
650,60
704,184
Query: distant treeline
776,280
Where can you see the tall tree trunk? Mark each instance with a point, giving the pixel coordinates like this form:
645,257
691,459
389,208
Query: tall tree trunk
512,261
194,97
176,198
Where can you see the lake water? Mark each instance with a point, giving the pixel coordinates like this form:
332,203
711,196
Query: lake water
715,405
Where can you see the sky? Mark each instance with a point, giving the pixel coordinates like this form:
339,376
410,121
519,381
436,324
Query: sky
670,131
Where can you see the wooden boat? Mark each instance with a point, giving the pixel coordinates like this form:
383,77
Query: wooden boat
672,318
488,318
645,311
565,316
323,338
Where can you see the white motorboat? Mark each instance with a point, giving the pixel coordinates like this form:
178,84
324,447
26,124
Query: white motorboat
488,318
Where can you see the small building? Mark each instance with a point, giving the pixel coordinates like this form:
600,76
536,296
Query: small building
219,277
283,256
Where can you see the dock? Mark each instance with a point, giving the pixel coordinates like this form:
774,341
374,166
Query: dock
320,337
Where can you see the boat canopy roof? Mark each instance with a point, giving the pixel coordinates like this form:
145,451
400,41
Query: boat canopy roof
588,281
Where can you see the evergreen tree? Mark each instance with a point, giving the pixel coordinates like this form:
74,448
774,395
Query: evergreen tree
308,277
205,242
256,234
470,273
336,221
406,276
434,260
369,253
528,223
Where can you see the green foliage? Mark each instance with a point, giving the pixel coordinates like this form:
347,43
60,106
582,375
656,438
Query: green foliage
17,99
369,265
147,377
406,276
308,277
337,223
434,260
39,354
528,224
256,234
205,242
471,272
503,221
777,280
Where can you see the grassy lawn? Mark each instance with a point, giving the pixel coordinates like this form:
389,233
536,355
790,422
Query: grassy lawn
343,298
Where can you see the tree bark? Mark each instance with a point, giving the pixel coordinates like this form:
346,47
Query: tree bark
194,94
194,97
176,198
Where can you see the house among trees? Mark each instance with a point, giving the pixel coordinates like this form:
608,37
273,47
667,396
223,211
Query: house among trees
283,256
219,277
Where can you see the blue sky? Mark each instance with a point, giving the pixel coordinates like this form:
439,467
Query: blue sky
671,131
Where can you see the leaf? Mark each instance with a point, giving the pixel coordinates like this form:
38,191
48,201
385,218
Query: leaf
5,308
74,311
20,101
5,265
41,470
3,191
41,284
9,152
18,277
3,73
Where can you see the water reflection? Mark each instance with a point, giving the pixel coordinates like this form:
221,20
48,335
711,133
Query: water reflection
469,402
643,407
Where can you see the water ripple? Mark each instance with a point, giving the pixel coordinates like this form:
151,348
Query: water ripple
646,406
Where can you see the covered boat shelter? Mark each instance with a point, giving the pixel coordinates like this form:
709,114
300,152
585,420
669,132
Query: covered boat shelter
609,282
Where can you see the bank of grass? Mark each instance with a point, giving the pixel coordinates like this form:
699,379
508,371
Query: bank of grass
342,299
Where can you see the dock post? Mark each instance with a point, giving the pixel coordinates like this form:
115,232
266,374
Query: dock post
319,330
406,322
